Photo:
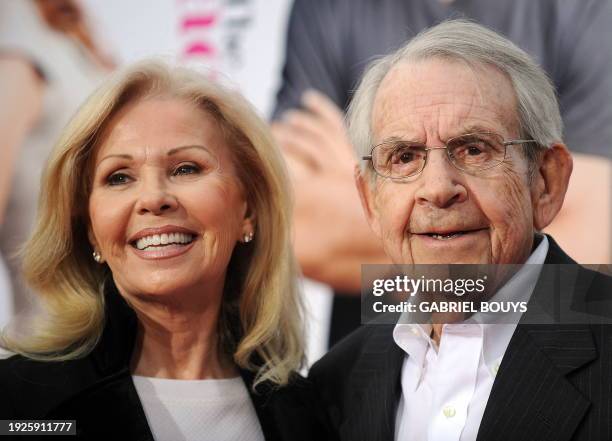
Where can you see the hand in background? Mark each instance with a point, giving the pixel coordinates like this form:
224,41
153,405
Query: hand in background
332,237
583,227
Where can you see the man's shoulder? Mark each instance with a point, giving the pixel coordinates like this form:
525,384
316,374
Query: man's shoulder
600,282
593,288
340,360
349,365
594,280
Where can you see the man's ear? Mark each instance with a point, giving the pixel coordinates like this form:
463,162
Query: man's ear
549,184
364,187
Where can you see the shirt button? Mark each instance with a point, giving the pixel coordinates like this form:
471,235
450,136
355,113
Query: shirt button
415,331
449,411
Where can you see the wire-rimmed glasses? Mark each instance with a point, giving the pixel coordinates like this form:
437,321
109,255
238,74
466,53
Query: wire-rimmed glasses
471,152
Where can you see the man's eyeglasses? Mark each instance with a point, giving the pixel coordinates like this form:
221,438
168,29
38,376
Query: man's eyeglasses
472,153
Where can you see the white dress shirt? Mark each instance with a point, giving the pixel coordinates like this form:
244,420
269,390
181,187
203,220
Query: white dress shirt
445,389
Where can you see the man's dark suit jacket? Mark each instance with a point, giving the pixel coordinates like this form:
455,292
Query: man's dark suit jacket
98,392
554,382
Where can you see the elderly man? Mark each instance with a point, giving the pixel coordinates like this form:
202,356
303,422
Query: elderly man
330,42
464,162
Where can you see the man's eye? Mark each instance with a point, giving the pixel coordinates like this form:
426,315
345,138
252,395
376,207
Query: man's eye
186,169
473,150
118,179
405,157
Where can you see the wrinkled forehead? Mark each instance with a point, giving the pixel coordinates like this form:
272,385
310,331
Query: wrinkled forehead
445,95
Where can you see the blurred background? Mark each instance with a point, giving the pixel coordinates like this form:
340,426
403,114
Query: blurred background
53,53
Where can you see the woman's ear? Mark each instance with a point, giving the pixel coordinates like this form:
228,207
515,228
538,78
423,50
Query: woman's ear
549,184
97,254
248,225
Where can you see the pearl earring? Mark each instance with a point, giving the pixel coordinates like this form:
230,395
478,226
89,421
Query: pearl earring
248,237
97,256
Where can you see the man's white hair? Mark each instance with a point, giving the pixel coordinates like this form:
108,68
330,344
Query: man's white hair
538,109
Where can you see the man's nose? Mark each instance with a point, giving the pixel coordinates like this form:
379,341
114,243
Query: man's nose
441,184
155,197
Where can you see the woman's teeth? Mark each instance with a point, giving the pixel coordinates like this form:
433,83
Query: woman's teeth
157,240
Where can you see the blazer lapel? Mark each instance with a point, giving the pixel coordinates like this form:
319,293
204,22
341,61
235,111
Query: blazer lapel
375,381
108,409
531,397
261,402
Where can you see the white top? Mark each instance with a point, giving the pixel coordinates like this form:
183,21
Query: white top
198,410
445,390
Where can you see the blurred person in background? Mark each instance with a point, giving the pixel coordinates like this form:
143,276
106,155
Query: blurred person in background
49,63
170,289
6,297
329,44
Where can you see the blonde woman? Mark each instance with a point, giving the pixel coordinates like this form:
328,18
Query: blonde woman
162,255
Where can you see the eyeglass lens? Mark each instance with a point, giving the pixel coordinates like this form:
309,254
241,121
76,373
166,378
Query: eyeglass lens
470,152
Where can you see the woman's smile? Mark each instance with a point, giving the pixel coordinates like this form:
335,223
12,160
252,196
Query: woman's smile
163,242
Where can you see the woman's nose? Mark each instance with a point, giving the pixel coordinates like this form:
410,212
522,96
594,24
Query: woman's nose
155,197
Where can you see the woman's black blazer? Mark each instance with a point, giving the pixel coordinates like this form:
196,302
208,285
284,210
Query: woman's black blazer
98,392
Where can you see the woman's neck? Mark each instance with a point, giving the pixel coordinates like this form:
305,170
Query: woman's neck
180,342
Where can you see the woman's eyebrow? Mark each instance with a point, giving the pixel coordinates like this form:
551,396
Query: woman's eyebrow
170,152
185,147
122,156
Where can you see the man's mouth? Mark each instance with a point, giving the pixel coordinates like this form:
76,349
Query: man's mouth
449,235
446,236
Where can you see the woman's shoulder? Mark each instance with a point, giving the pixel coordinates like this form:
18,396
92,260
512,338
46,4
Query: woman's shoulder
31,388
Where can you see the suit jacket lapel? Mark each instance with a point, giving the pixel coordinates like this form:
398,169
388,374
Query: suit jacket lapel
108,409
261,402
531,397
375,381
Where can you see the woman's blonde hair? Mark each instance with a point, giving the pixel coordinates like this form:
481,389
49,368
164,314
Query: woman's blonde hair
261,320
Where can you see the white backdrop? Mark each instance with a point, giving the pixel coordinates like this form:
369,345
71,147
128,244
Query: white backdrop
243,39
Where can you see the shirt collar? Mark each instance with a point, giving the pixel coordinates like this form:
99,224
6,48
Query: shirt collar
414,339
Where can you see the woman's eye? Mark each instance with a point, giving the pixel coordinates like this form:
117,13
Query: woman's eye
118,179
186,169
